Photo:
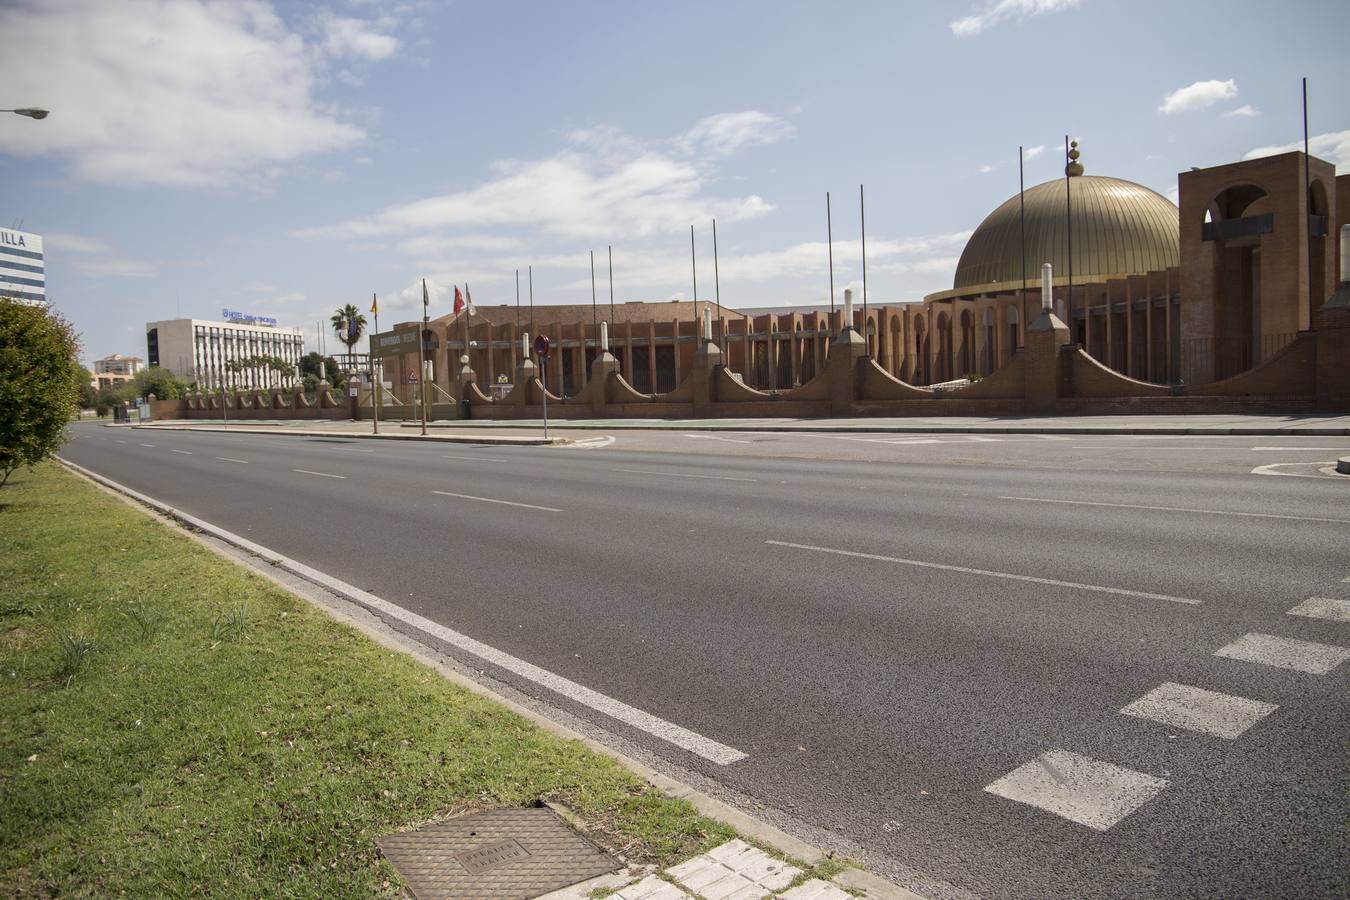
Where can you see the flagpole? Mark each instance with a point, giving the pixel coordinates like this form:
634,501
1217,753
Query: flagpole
422,355
468,305
829,237
717,289
1307,201
1068,226
693,267
1022,227
375,376
862,210
595,322
530,272
611,284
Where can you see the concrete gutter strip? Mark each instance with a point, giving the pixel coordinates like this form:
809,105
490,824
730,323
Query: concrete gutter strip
607,425
875,887
365,435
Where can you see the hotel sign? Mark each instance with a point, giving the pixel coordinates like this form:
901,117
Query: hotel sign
392,343
247,318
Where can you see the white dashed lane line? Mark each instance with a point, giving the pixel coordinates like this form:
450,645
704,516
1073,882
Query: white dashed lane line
184,452
231,459
476,458
1011,576
1331,608
1078,788
320,474
502,502
682,475
1285,653
1196,709
1185,509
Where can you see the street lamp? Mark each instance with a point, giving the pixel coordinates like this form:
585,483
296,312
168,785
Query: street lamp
32,112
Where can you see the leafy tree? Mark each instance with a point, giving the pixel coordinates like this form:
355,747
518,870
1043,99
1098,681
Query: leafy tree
39,383
88,393
158,381
348,324
309,366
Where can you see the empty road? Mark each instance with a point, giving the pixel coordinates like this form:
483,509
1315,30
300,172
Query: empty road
1085,667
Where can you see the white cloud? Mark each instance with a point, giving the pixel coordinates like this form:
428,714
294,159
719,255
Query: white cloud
354,37
1246,111
1033,152
1198,96
986,169
602,183
1333,146
728,133
994,13
95,258
171,92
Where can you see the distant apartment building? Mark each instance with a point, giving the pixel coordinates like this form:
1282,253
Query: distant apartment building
22,271
115,370
207,351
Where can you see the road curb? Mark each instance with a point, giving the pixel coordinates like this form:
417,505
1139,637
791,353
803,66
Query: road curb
1343,465
755,829
1212,430
436,438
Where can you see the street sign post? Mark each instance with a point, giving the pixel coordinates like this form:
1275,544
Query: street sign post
541,350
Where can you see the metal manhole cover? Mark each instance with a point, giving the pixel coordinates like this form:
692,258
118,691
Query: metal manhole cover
501,853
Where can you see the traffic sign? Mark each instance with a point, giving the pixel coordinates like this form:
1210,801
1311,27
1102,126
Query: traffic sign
541,345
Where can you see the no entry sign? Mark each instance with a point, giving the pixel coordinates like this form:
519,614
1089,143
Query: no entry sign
541,345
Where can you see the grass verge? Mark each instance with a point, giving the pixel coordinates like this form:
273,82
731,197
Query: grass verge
171,724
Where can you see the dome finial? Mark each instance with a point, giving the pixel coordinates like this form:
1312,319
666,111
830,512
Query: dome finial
1074,167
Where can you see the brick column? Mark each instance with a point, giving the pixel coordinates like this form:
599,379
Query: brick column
1044,339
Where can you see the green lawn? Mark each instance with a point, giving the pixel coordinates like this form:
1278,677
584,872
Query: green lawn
172,724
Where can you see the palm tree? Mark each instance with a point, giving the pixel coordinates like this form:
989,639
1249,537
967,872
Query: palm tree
348,324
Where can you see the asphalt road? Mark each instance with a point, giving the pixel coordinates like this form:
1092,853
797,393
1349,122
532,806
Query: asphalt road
927,656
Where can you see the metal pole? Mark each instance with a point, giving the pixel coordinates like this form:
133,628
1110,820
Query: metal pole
1068,226
717,289
862,209
1022,227
422,358
829,236
693,265
530,273
543,375
375,375
1307,198
595,321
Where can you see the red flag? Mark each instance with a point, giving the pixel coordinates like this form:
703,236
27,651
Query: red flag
459,300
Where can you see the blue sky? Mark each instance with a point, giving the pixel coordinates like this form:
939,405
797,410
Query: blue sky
284,158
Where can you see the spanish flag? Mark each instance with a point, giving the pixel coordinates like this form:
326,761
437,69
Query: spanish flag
374,304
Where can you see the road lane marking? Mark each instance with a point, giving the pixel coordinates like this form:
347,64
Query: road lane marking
320,474
594,443
1146,449
1319,449
1078,788
713,437
502,502
477,458
1208,512
709,749
184,452
1269,469
147,445
1285,653
1196,709
1331,608
121,442
965,570
682,475
230,459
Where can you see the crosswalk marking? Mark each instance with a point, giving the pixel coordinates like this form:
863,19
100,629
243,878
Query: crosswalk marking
1323,608
1196,709
1285,653
1078,788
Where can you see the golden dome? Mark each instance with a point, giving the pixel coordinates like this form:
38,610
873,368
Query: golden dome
1119,228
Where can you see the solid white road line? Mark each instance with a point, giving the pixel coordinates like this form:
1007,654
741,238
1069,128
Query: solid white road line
477,458
1196,709
1285,653
502,502
681,737
147,445
1187,509
682,475
320,474
985,572
1270,469
713,437
1331,608
184,452
231,459
1081,789
1318,449
594,443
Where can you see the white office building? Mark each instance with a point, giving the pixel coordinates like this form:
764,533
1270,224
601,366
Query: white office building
22,271
202,351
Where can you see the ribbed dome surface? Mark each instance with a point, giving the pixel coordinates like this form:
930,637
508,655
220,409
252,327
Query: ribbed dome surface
1119,228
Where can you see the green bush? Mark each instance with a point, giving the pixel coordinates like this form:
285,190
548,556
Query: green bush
40,383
